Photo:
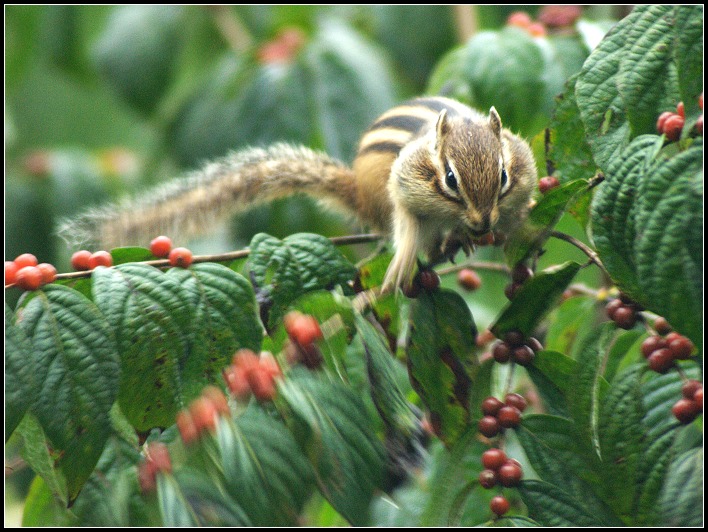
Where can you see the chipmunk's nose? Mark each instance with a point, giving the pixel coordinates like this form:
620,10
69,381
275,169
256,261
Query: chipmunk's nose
481,223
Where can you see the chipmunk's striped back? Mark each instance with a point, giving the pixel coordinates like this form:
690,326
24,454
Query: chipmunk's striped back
382,142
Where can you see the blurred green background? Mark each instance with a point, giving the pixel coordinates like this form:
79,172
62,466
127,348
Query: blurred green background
103,101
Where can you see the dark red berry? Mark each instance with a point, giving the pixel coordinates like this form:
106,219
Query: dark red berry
699,125
681,348
511,289
161,246
493,459
516,400
499,505
469,279
510,474
698,399
489,426
180,257
523,355
690,387
547,183
661,360
673,127
662,120
501,352
651,344
514,338
662,326
509,417
612,307
534,344
521,273
625,317
487,478
491,405
685,410
429,280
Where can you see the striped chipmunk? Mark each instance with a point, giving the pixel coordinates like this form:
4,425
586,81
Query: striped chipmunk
431,173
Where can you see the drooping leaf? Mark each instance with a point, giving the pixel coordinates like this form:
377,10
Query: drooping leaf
550,373
682,497
688,53
20,386
440,361
150,315
336,434
77,372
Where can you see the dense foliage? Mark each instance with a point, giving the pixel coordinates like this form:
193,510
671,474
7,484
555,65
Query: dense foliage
362,414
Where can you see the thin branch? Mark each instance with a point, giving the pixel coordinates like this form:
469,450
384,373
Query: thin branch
231,28
582,247
476,265
466,21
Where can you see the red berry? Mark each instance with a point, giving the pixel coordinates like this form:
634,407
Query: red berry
681,110
489,426
681,348
26,259
302,329
270,365
204,414
180,257
487,478
612,307
673,126
237,382
511,289
80,260
100,258
700,101
159,457
491,405
510,474
520,19
246,359
187,429
262,384
547,183
699,125
499,505
651,344
161,246
509,417
514,338
146,477
218,399
469,279
662,326
661,360
49,272
493,459
662,120
29,278
698,399
429,280
690,387
537,29
501,352
523,355
685,410
516,400
625,317
534,344
521,273
11,270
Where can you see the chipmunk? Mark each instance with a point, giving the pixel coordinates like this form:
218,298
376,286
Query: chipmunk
432,173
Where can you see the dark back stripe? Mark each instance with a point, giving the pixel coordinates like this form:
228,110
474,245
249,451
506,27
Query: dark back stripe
408,123
385,147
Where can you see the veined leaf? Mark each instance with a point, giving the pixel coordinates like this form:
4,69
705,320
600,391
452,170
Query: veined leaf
20,386
682,497
688,53
77,372
551,373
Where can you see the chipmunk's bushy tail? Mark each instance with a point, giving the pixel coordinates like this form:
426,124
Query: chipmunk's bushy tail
190,206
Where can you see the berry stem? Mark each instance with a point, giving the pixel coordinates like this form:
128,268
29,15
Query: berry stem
582,247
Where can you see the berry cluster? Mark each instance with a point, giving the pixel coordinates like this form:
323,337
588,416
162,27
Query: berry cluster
662,352
469,279
519,275
202,414
27,274
547,183
514,348
250,374
84,260
690,405
498,415
550,17
303,331
671,124
499,469
623,311
157,460
161,247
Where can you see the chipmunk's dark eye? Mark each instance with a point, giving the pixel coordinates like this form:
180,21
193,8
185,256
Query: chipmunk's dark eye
451,180
504,180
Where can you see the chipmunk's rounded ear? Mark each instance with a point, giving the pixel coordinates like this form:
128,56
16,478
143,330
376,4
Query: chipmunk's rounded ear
442,126
495,122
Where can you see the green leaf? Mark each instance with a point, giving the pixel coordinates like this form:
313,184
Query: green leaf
688,54
20,386
41,507
130,254
569,323
77,366
646,79
440,362
550,506
333,428
150,314
265,472
36,453
175,508
551,372
283,270
138,50
535,298
225,319
682,497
